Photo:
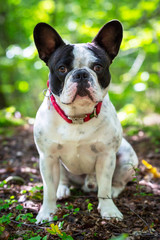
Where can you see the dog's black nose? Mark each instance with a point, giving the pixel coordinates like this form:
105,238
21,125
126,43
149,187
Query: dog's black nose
81,76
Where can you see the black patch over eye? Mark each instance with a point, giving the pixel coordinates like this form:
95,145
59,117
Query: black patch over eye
62,69
101,66
60,63
98,68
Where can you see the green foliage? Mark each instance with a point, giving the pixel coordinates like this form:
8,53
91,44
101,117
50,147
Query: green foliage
26,217
55,218
5,204
3,183
20,218
153,133
70,207
38,238
55,230
36,193
90,207
140,189
33,235
7,117
76,210
58,205
150,131
124,236
5,219
2,228
135,71
19,207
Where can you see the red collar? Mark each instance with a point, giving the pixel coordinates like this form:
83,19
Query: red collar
75,120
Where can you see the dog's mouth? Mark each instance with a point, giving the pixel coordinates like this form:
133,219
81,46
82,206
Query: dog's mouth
82,93
79,94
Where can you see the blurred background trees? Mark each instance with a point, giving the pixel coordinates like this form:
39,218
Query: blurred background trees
135,72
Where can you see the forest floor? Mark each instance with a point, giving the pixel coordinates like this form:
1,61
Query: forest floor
77,217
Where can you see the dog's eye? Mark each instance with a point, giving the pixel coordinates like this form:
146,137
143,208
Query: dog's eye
97,68
62,69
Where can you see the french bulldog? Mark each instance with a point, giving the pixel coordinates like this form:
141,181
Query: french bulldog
77,131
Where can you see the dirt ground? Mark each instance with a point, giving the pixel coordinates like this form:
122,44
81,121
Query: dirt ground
139,202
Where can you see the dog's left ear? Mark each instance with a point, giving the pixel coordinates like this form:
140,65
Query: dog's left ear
47,40
109,38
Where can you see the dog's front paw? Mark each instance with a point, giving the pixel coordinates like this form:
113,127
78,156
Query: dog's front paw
108,209
45,214
63,191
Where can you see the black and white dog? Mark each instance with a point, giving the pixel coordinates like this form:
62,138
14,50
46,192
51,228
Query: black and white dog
76,131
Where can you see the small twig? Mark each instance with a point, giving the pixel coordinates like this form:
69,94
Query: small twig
59,219
41,224
150,230
26,224
115,226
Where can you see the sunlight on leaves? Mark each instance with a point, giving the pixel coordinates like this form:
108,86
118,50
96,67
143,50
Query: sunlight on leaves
54,230
23,86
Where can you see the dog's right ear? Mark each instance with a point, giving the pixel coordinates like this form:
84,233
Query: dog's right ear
47,40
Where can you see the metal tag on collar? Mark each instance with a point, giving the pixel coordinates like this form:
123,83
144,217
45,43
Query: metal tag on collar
95,112
76,120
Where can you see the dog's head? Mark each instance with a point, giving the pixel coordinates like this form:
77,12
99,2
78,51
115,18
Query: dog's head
79,73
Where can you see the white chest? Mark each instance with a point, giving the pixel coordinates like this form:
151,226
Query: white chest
77,145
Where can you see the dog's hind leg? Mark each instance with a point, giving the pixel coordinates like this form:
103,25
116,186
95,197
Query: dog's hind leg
124,172
63,190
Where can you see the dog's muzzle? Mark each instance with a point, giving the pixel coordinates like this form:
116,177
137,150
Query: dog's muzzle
82,78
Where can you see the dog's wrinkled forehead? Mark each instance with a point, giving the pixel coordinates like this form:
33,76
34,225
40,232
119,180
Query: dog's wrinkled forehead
78,56
83,56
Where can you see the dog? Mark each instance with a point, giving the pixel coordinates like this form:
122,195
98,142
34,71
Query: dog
77,132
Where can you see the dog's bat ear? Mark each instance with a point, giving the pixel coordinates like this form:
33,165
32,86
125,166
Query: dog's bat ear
109,38
47,40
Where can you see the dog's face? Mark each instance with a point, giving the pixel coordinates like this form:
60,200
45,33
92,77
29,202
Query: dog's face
79,73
